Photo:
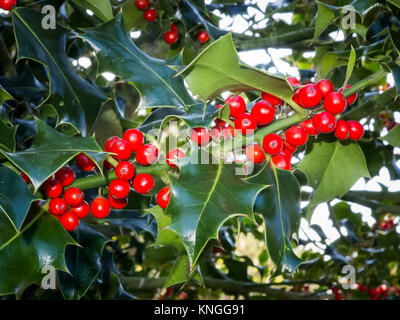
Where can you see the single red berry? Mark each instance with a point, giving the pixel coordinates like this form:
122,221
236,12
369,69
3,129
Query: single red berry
163,197
143,183
52,188
291,148
66,176
74,196
125,170
237,106
174,27
150,14
335,103
286,153
201,136
296,136
281,162
8,4
339,296
173,155
134,137
84,162
203,36
81,211
220,123
69,221
25,177
122,149
274,101
58,206
362,288
119,188
171,37
293,81
117,203
310,96
324,122
109,143
272,143
107,166
356,130
255,153
342,131
245,124
147,154
296,97
100,208
142,4
263,112
325,86
352,98
309,127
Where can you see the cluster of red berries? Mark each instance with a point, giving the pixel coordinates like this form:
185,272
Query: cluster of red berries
172,35
150,14
380,292
281,147
387,224
387,119
338,293
68,202
8,4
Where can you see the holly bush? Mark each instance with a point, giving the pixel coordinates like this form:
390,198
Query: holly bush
140,158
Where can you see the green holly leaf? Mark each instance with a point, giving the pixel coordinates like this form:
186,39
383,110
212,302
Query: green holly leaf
15,197
325,16
393,137
218,69
153,78
7,136
101,8
4,95
279,205
51,150
215,194
22,258
332,168
77,102
84,262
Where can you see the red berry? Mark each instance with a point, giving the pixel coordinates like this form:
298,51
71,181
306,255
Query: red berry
100,208
57,206
362,288
201,136
203,36
237,106
52,188
173,27
356,130
117,203
66,176
324,122
274,101
163,197
69,221
272,143
147,154
293,81
335,103
122,149
325,86
134,137
296,97
110,142
289,146
107,166
255,153
310,96
174,154
245,123
342,131
119,188
143,183
228,132
84,162
263,112
281,162
296,136
171,37
142,4
220,123
81,211
125,170
352,98
74,196
8,4
286,153
150,15
309,127
339,296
